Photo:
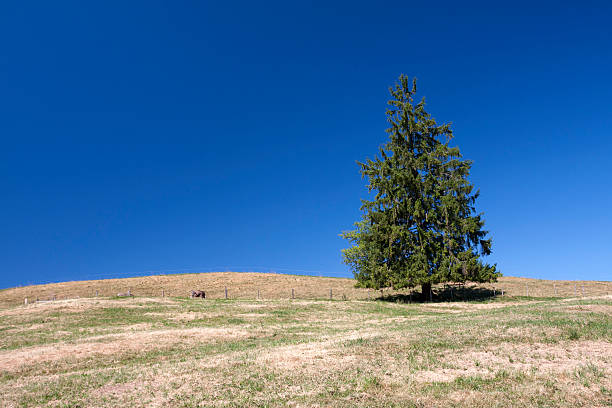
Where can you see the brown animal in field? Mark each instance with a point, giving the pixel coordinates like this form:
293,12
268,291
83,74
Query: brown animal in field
198,293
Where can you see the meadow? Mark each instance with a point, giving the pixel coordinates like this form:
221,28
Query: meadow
248,285
276,351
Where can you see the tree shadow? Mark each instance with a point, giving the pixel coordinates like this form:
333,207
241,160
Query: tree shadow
448,293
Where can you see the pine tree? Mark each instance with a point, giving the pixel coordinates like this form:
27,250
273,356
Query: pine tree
421,228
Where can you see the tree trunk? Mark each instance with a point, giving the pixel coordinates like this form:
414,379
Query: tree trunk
426,292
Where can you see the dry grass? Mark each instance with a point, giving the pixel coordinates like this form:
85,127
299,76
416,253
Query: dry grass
277,352
129,341
306,353
278,286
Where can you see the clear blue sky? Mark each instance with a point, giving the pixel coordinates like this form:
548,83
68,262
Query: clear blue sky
198,136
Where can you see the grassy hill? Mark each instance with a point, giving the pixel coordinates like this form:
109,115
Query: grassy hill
180,352
278,286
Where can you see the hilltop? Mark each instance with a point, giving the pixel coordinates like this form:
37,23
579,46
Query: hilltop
243,285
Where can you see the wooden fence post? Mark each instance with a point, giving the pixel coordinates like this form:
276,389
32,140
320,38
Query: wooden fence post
292,293
258,294
331,295
163,293
226,292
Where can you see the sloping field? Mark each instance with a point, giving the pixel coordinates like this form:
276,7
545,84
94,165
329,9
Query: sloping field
278,286
179,352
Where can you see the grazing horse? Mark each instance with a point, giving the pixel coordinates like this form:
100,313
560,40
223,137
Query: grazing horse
198,293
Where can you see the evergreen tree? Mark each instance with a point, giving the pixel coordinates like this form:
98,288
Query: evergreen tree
421,227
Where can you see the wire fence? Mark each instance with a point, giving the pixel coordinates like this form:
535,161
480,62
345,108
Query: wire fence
282,287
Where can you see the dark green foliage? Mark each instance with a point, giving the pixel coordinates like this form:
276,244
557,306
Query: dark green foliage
421,227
